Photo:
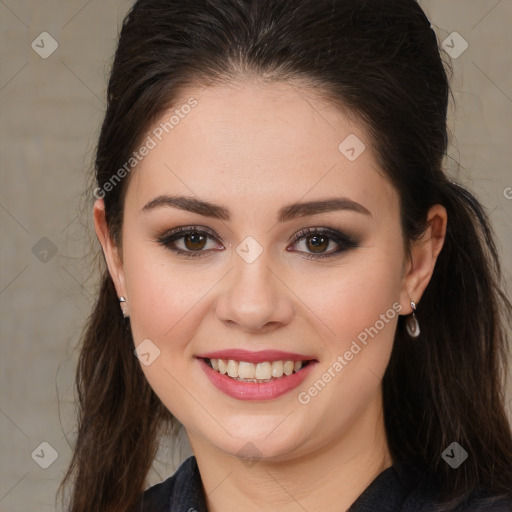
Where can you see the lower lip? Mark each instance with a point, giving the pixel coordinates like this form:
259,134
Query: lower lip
253,390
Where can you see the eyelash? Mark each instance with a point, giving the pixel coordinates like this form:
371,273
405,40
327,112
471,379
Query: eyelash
345,241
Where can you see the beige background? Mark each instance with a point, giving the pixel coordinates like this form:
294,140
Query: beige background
51,110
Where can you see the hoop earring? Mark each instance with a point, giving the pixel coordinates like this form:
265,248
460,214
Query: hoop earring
123,304
412,325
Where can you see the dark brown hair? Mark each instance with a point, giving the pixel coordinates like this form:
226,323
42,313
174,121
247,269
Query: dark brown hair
380,61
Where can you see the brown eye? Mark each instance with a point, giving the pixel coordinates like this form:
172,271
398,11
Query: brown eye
194,241
317,243
317,240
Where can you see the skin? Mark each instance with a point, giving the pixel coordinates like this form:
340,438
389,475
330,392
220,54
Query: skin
255,148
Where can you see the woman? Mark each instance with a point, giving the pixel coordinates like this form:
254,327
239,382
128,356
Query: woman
305,290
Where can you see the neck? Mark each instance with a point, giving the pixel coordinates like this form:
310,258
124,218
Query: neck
330,477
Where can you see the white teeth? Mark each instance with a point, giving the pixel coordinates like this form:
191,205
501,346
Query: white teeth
288,367
223,366
260,372
277,368
246,370
232,368
263,371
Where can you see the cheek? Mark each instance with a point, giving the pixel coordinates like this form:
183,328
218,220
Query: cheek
165,306
359,310
353,296
163,295
358,306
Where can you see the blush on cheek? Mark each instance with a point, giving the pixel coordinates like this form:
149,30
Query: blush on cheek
365,326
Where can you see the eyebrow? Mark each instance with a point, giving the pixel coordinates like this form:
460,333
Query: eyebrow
286,213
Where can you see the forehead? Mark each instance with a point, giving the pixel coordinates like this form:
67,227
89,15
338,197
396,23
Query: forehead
258,145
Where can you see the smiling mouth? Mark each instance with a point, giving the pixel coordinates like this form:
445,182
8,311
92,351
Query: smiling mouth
267,371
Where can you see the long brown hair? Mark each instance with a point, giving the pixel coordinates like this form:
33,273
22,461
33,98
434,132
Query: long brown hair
381,61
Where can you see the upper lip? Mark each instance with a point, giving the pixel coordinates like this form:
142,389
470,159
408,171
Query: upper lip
255,357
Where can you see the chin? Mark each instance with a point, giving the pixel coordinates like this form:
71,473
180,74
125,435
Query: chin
260,443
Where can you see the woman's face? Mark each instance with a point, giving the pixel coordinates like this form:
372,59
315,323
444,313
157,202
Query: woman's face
243,283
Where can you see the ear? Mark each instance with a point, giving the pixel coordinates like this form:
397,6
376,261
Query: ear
110,249
422,258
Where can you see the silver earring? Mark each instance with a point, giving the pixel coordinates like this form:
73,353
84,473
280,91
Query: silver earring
411,323
123,303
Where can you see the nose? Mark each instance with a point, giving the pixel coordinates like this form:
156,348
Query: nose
254,297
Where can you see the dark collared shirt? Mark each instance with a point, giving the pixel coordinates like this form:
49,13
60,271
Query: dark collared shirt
399,488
